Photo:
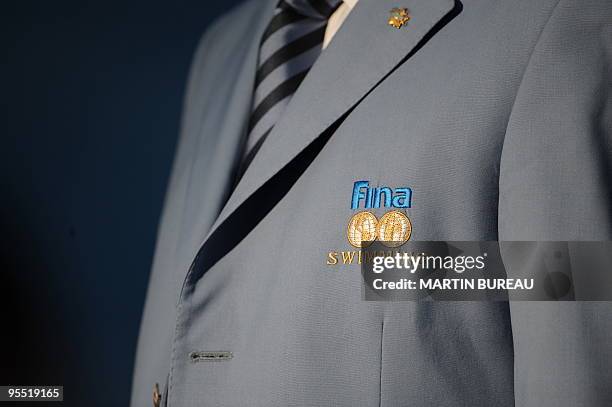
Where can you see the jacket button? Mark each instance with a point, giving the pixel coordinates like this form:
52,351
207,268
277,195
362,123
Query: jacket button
156,395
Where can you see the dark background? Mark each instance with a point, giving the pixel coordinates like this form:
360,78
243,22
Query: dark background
91,97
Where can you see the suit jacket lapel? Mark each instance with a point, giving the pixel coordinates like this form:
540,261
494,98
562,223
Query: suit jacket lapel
363,52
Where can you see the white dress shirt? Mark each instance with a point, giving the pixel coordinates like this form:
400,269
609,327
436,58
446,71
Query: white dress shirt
336,20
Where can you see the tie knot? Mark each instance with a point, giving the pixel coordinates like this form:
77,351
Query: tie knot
317,9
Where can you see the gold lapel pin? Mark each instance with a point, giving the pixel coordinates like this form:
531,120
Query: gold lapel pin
399,16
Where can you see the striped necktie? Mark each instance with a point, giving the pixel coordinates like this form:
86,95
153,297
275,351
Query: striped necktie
289,47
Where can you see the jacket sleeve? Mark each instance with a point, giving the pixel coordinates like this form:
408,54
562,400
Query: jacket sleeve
556,185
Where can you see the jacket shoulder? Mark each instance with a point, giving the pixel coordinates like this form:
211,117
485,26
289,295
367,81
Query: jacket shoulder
233,26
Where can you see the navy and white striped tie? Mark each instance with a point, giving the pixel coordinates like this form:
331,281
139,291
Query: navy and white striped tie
289,47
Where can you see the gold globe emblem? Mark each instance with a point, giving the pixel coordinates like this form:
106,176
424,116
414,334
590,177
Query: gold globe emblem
361,230
394,229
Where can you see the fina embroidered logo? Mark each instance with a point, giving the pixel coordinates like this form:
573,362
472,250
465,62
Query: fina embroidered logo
398,198
393,229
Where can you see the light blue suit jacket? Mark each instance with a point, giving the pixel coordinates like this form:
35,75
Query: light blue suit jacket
497,114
